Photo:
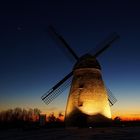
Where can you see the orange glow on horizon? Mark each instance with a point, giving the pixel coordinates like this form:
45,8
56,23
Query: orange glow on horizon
128,117
123,117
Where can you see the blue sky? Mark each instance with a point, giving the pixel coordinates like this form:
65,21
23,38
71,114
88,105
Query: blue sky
32,62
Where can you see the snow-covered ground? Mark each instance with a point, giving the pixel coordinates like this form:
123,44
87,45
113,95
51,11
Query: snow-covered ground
113,133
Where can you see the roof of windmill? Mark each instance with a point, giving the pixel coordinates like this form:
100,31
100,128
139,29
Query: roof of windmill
87,61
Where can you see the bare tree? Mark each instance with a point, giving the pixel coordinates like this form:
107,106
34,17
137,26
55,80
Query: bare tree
36,113
51,118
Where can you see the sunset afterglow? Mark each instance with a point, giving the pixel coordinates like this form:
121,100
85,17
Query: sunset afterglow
32,61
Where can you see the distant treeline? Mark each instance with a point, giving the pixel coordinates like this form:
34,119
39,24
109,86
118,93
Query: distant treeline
33,119
16,118
119,122
19,114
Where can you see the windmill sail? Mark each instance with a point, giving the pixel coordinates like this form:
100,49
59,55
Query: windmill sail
64,43
111,97
57,89
101,47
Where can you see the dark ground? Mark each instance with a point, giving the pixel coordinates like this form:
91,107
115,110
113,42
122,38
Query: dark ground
113,133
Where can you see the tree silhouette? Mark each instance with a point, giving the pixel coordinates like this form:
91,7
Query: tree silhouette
51,118
36,113
18,117
117,119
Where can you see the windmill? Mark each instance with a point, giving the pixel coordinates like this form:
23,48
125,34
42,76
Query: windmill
88,101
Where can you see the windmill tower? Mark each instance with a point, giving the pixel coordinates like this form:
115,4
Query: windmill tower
89,101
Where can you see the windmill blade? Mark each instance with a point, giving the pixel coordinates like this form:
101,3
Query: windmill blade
62,40
111,98
57,89
104,45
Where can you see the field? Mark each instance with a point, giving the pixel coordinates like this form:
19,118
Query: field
115,133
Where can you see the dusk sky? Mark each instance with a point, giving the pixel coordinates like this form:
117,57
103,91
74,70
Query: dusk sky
31,62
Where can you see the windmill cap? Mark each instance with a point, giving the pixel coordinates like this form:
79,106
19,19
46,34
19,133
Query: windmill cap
87,61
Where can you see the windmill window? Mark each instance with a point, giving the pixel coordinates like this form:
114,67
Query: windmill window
80,104
81,86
